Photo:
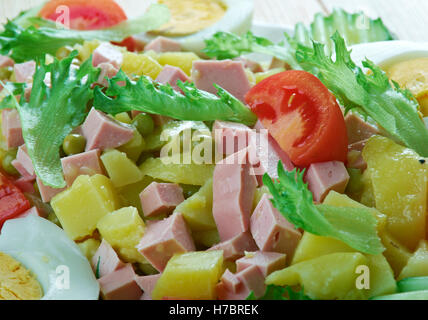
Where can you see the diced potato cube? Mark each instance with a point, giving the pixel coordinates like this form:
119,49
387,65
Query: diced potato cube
183,60
87,48
328,277
382,279
123,230
80,207
192,276
140,64
400,188
123,117
121,170
417,265
198,209
396,254
194,174
134,147
89,247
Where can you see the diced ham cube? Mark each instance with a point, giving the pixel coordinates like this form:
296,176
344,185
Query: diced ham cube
46,192
101,132
120,285
106,260
326,176
25,184
106,52
358,129
267,262
24,72
165,238
228,74
171,75
271,231
230,137
33,211
239,286
160,198
23,163
147,284
5,61
87,163
108,71
265,153
11,128
254,66
162,44
235,247
234,186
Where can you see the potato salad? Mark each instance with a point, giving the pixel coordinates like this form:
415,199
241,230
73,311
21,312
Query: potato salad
179,155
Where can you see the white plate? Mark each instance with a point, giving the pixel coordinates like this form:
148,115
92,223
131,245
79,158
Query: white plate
382,53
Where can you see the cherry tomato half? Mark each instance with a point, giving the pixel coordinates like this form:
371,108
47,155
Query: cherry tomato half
302,116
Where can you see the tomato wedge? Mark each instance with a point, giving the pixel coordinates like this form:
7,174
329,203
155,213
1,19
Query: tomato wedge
89,15
302,116
12,201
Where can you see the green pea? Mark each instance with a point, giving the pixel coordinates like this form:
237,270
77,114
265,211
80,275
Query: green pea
74,144
144,124
7,164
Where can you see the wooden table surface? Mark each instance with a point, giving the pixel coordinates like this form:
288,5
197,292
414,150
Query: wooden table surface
406,18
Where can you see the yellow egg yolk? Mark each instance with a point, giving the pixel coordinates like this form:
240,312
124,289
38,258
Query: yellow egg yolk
16,282
191,16
412,75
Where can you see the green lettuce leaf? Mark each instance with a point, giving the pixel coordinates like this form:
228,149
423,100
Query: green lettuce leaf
274,292
147,96
354,27
23,44
394,109
354,226
52,113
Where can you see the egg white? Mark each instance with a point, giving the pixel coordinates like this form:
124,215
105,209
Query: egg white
42,247
237,19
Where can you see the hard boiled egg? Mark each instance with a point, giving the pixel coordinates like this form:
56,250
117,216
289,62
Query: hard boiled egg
56,261
193,21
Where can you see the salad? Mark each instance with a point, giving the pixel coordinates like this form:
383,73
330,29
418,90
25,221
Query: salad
179,155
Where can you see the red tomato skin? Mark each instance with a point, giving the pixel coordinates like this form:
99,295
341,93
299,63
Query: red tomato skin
12,201
310,127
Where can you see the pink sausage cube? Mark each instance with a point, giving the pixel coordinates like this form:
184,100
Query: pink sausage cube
267,262
106,260
147,284
171,75
165,238
235,247
271,231
87,163
24,72
162,44
108,71
33,211
230,137
358,129
250,64
47,192
107,53
11,128
101,132
239,286
326,176
25,160
234,186
230,75
25,184
120,285
160,198
5,61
